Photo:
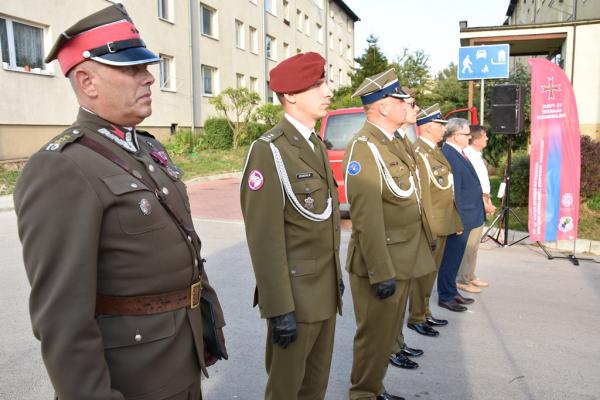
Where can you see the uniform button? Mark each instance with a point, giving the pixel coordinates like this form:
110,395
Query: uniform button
134,185
371,273
165,191
195,262
307,188
151,168
388,239
293,272
137,174
76,132
189,238
137,337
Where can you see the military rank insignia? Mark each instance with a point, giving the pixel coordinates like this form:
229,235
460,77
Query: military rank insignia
255,180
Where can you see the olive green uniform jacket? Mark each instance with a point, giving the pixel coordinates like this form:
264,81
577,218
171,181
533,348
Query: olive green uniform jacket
439,203
386,230
84,231
295,260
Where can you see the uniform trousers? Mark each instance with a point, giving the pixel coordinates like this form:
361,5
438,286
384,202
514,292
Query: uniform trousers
466,273
300,371
453,254
377,325
193,392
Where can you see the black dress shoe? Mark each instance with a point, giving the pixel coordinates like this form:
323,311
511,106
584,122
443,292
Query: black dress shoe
424,329
387,396
432,321
410,352
452,305
464,300
401,361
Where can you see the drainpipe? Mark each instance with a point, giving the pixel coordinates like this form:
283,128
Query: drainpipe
326,33
266,71
192,57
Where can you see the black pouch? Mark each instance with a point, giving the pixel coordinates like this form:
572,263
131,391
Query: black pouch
212,343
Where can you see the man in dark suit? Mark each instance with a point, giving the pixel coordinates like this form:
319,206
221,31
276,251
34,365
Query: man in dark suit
468,198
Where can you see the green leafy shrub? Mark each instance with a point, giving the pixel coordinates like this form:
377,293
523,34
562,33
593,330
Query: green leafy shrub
217,134
594,202
268,114
590,168
255,130
184,142
519,179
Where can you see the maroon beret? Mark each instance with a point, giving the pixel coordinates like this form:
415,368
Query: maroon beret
297,73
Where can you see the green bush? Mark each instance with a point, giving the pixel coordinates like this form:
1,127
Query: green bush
184,142
519,179
590,168
217,134
268,114
594,202
254,131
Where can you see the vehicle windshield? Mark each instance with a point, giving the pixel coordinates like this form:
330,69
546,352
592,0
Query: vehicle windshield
341,128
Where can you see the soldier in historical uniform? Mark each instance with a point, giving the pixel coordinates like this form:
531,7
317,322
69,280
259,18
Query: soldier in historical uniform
108,242
388,234
290,206
437,196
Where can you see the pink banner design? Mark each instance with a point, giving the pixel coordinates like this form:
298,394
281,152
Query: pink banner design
555,159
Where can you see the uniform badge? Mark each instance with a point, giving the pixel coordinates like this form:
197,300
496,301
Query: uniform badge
255,180
173,172
354,168
440,180
160,157
309,203
303,175
145,206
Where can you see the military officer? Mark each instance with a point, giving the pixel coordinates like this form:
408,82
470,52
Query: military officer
291,212
437,196
387,231
108,242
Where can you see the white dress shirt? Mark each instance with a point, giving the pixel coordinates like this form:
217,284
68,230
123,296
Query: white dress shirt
476,159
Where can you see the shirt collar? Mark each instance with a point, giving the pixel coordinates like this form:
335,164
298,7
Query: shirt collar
388,135
427,142
124,136
455,146
304,131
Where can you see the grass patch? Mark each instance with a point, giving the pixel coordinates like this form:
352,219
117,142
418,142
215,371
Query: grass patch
208,162
589,214
8,177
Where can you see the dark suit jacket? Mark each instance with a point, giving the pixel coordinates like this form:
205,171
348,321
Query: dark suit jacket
467,189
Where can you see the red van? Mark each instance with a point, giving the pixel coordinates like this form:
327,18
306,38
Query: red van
339,126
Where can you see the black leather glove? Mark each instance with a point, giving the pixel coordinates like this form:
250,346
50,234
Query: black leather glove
284,329
342,287
385,289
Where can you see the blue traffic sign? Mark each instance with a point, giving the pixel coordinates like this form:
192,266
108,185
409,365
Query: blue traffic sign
483,62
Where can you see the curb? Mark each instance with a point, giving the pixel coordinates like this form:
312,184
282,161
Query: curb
6,203
207,178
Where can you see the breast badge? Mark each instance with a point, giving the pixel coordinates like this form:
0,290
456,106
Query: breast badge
354,168
145,206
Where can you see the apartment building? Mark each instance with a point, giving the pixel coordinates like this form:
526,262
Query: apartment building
205,46
522,12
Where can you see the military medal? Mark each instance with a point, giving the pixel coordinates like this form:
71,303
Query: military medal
160,157
145,206
309,203
173,172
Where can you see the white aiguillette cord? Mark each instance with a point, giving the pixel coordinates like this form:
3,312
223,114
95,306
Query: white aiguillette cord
431,175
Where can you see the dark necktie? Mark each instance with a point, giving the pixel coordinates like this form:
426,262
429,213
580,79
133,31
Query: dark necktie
317,147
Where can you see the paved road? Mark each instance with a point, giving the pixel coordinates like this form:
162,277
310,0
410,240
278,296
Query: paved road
533,335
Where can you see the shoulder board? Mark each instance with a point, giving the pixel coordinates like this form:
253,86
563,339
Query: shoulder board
69,136
271,135
144,133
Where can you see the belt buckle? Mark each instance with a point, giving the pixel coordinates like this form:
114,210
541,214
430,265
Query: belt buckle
195,291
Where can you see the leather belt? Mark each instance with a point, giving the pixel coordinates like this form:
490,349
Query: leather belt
149,304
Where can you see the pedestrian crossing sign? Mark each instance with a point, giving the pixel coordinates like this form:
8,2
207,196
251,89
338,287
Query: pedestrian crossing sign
483,62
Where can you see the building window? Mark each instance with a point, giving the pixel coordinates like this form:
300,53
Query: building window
286,11
319,33
270,97
349,24
348,52
340,78
209,25
254,84
209,80
240,81
340,47
330,72
330,40
286,50
165,10
167,72
299,20
271,47
306,25
253,40
240,40
22,46
298,51
271,6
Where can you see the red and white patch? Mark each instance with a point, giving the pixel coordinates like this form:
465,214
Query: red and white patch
255,180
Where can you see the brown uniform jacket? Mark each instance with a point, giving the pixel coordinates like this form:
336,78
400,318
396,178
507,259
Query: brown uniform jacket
295,260
388,235
439,203
84,232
